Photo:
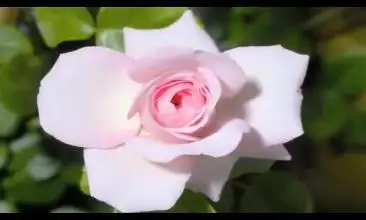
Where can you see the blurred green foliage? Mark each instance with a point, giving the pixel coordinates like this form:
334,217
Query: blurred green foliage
40,174
63,24
111,21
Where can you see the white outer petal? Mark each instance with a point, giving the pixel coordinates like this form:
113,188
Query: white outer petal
219,144
129,183
278,73
185,32
85,98
210,175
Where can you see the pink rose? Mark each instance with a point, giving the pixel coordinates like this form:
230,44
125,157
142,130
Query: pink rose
171,112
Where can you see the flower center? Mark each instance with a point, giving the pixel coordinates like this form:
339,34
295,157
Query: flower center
177,100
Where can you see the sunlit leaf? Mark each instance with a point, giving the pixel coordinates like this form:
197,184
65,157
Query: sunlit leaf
138,17
83,185
276,192
191,202
59,24
111,38
112,20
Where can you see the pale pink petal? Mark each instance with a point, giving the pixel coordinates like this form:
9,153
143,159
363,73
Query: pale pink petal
124,180
210,175
214,94
162,60
143,105
227,70
221,143
185,32
275,112
85,98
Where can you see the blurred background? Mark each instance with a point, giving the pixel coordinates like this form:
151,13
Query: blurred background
328,170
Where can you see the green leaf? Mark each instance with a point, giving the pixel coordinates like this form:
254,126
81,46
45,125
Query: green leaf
23,150
21,188
338,183
19,82
325,114
267,26
101,207
250,165
9,15
42,167
191,202
71,174
12,42
68,209
227,199
345,72
33,124
351,41
138,17
276,192
83,185
4,154
111,21
110,38
9,122
61,24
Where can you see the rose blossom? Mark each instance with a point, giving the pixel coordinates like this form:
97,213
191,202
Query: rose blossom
171,112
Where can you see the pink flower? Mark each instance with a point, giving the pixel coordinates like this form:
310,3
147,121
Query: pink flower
171,112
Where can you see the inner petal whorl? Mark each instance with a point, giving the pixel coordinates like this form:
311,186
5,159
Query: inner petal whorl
177,102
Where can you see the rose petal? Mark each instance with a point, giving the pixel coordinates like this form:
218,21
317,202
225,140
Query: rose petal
210,175
209,82
214,90
85,98
279,73
185,32
219,144
227,70
129,183
162,60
